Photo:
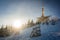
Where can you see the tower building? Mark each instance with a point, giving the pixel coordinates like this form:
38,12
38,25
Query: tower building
43,18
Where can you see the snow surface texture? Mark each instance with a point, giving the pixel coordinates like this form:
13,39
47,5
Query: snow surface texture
48,32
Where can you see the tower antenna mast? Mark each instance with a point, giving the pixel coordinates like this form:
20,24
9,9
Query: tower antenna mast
43,9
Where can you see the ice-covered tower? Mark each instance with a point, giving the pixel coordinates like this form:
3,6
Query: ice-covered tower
42,9
42,12
43,18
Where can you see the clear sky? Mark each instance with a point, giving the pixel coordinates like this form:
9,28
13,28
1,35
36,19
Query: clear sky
26,9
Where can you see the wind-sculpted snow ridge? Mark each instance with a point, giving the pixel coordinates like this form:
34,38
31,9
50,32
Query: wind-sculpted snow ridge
48,32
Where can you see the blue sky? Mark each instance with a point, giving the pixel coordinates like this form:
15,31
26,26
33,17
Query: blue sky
26,9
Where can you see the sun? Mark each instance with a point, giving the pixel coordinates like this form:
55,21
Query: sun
17,23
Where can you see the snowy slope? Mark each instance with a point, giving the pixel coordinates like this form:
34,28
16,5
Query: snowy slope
50,28
48,32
